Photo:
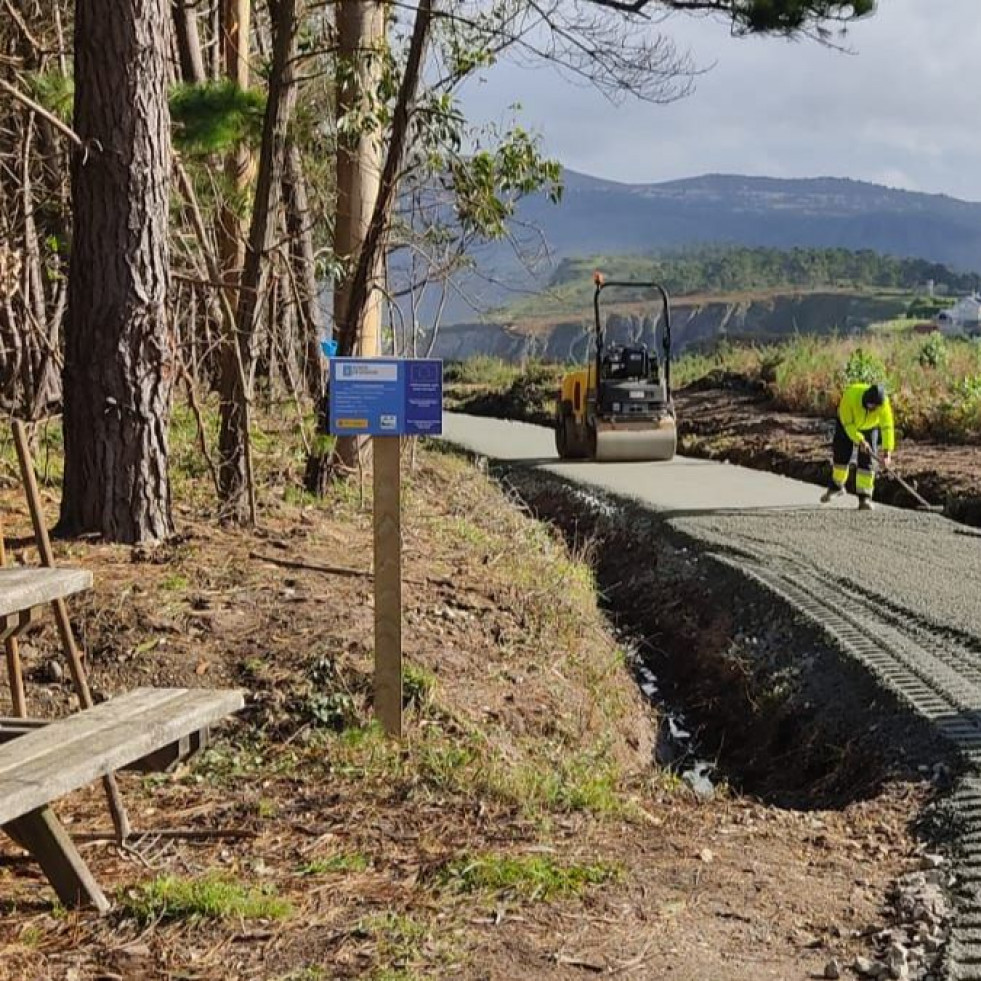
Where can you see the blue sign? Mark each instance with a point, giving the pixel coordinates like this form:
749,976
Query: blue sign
386,397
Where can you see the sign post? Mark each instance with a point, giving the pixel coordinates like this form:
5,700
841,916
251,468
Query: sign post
387,398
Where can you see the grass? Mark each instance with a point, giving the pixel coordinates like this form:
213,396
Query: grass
935,382
172,898
528,877
482,370
399,938
335,864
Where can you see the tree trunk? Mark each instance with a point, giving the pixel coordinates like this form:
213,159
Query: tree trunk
237,489
188,42
299,226
118,374
360,30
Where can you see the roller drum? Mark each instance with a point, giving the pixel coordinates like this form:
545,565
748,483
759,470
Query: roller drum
625,445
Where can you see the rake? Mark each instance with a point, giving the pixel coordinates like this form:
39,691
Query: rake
925,505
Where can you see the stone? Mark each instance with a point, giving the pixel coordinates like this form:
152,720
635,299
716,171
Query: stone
832,969
897,961
54,671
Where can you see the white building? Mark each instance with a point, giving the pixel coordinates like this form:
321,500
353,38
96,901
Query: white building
964,317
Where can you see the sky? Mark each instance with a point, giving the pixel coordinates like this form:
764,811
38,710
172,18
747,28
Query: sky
901,108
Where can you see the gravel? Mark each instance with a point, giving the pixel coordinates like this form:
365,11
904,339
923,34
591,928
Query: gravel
929,566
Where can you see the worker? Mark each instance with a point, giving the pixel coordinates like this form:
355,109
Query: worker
864,417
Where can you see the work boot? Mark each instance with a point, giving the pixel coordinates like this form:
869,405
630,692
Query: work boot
831,493
865,503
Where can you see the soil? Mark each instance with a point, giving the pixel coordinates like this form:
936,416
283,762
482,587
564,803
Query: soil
512,672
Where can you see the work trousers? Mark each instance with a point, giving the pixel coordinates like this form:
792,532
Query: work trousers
842,449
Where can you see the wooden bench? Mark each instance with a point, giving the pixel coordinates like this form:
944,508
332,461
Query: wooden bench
43,761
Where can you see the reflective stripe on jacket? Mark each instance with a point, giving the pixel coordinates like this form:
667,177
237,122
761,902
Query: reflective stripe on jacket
856,418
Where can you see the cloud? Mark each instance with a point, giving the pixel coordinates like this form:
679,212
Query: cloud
899,109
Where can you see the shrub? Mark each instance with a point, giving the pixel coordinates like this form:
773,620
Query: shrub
934,352
864,366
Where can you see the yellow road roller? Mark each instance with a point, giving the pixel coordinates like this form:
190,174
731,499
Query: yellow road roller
619,407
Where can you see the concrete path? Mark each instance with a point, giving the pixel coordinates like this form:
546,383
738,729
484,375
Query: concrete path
682,485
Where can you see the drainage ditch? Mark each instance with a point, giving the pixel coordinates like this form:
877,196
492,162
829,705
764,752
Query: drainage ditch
788,720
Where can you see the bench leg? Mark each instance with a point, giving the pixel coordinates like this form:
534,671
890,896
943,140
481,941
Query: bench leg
43,835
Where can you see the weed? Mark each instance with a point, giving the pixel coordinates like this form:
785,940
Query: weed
31,936
335,710
481,370
571,783
301,497
342,862
171,898
418,686
266,808
399,938
529,877
175,582
447,765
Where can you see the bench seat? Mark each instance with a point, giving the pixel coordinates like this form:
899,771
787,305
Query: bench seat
24,587
44,762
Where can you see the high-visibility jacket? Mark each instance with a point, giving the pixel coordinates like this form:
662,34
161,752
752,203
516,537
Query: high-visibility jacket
856,418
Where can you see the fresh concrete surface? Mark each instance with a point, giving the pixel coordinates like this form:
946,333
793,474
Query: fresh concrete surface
681,485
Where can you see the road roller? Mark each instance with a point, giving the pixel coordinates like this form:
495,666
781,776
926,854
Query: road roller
619,406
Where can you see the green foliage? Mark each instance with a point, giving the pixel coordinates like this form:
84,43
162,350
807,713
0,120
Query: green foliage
334,710
487,183
55,92
216,116
792,16
481,370
935,353
927,307
530,877
734,268
961,410
418,686
340,863
330,705
864,366
172,898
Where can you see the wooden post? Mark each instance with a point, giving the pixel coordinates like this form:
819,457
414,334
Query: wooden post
388,583
18,699
117,809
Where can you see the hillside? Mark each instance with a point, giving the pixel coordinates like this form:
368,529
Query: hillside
600,216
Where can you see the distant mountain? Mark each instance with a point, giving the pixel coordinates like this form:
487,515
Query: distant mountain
597,216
